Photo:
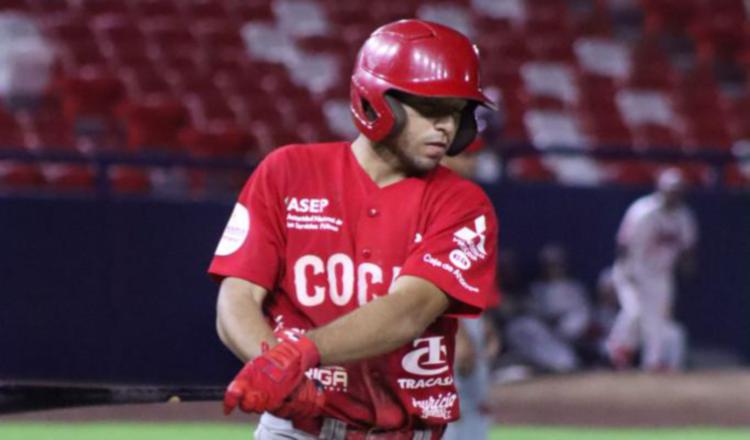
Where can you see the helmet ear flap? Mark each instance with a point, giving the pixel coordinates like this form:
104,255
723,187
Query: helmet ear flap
398,112
467,130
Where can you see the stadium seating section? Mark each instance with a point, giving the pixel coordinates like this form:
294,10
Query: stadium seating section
236,78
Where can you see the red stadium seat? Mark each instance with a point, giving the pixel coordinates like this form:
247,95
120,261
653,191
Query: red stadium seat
15,5
529,169
739,118
69,177
669,15
19,175
206,107
652,136
81,55
629,172
217,139
597,23
122,40
271,134
354,35
128,179
181,59
386,12
155,8
51,131
698,174
735,177
230,67
47,8
11,135
343,13
251,10
184,82
90,92
155,123
648,55
169,33
199,10
608,130
102,7
143,81
71,29
707,131
719,29
552,47
216,35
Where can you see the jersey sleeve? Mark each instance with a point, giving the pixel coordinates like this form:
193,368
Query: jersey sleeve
252,244
458,253
633,230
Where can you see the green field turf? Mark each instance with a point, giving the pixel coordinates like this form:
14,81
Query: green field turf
201,431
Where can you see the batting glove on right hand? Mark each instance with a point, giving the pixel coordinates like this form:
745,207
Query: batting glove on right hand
306,401
269,381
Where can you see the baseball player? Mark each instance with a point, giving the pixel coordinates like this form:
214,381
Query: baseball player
657,232
344,266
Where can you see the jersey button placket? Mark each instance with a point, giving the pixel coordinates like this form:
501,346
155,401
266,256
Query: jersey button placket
372,213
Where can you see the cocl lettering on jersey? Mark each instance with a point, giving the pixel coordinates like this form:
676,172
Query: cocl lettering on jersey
340,291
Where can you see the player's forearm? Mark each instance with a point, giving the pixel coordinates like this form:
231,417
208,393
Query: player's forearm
380,326
239,318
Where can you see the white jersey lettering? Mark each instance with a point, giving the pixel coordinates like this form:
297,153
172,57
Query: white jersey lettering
300,281
342,261
340,273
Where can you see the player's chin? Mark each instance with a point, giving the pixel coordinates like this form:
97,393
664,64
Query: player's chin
418,166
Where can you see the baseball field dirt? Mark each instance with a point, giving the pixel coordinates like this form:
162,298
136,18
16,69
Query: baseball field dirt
601,399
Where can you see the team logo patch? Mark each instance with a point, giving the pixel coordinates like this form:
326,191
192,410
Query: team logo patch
470,244
235,232
428,359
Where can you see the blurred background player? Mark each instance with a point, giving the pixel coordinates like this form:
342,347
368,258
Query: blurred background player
477,340
548,331
657,234
363,253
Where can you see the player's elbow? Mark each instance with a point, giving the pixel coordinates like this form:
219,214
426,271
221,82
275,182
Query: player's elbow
220,330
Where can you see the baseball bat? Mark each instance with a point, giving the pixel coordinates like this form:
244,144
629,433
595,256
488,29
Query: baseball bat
20,397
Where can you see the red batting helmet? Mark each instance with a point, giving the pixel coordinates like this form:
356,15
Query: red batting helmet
420,58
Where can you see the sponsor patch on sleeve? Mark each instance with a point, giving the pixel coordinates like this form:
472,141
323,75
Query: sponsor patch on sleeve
235,232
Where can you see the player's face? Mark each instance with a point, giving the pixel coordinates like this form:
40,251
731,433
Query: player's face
431,125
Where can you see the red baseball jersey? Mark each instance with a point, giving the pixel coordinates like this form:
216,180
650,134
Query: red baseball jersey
315,230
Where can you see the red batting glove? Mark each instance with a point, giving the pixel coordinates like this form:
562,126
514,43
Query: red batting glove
306,401
264,382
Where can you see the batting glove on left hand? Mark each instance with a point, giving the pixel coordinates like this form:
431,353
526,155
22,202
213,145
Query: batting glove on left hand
265,382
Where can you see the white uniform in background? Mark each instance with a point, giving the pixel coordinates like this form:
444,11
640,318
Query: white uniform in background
653,238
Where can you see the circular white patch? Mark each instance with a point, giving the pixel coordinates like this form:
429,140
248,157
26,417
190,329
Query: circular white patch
460,259
236,231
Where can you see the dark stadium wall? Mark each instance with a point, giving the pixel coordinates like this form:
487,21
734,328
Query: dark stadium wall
115,290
